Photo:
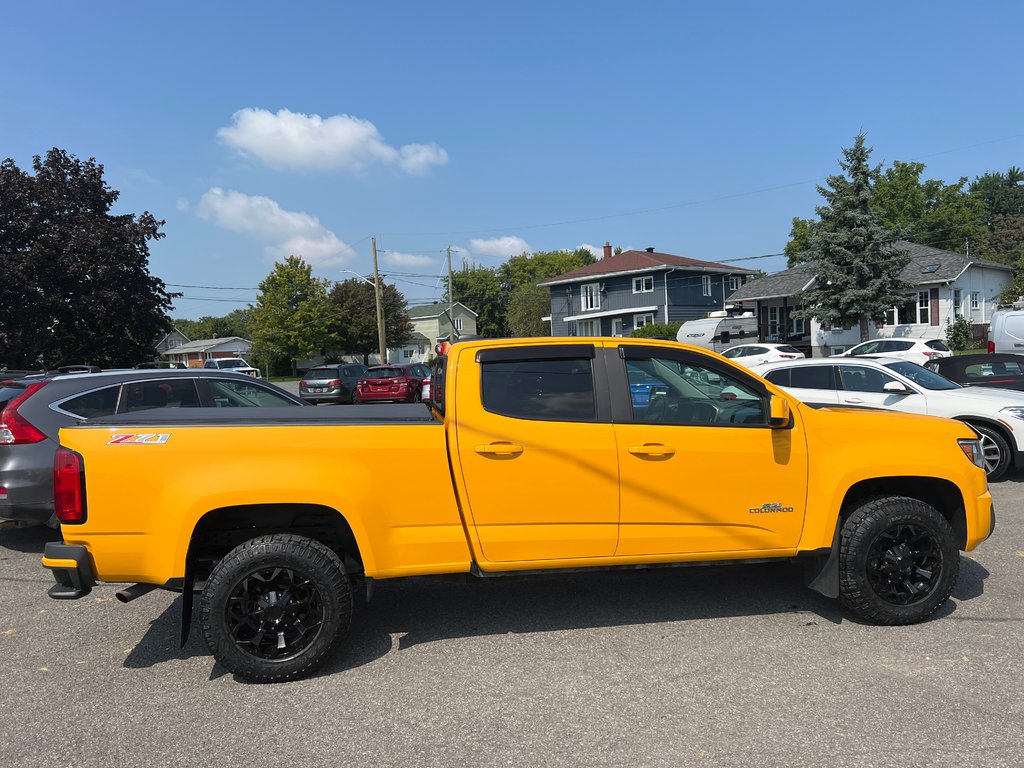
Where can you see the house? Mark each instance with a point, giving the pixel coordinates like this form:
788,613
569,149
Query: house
947,285
194,353
171,340
431,324
622,292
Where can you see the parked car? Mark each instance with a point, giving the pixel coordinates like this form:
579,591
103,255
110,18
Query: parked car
915,350
33,409
232,364
1000,371
750,355
1006,331
899,385
334,383
392,383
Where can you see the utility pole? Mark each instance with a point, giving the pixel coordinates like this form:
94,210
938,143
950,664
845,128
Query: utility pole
378,293
451,301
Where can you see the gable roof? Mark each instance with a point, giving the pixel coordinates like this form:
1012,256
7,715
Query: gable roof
641,261
927,266
436,309
204,344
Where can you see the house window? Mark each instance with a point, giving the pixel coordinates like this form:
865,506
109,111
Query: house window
923,308
705,283
617,326
796,324
588,327
591,296
639,321
407,353
420,350
458,324
643,284
735,282
958,302
975,300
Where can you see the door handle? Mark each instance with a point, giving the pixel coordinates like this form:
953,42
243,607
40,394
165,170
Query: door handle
854,400
498,449
652,449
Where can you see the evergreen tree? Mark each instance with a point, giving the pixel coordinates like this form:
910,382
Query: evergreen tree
852,253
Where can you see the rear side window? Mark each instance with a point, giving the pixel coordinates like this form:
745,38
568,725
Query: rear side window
813,377
560,389
896,346
169,393
102,402
779,377
936,344
788,349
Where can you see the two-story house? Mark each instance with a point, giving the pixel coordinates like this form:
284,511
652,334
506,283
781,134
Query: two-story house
431,324
625,291
946,286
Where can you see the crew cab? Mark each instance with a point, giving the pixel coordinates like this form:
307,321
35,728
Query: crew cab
536,455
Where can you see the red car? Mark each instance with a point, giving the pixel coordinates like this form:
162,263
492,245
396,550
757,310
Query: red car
392,383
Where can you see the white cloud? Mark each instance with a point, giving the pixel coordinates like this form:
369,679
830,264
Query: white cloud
500,247
294,141
597,251
285,232
183,204
399,259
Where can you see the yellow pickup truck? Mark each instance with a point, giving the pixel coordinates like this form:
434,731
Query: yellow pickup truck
532,455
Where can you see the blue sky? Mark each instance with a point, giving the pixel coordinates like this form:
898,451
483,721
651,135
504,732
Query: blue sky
261,129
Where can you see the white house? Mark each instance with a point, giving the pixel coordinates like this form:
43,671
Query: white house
947,285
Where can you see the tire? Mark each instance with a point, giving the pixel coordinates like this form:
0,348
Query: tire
898,561
272,591
996,451
416,397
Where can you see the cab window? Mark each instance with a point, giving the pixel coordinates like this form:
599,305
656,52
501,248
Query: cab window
672,391
544,389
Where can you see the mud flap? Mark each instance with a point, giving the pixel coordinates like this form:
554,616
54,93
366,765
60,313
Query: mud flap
822,573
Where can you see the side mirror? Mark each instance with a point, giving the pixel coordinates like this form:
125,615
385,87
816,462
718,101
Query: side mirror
895,388
779,415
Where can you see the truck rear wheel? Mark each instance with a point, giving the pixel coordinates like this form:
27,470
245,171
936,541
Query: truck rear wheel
898,561
276,607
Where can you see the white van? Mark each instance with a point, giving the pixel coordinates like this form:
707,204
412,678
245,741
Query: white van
1006,331
718,332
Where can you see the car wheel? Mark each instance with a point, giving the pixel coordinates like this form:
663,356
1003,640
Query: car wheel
995,450
276,607
352,397
416,397
898,561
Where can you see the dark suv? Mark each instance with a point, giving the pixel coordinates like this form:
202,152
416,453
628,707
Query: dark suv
335,383
33,409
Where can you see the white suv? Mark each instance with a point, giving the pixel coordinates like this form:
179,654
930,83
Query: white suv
996,414
916,350
236,364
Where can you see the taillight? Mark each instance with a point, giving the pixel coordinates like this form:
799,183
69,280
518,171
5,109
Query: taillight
303,385
991,347
68,486
932,354
15,428
334,383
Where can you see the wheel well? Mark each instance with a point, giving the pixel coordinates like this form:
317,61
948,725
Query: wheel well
938,493
221,530
995,426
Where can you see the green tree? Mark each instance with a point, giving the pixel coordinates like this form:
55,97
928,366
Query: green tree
532,268
75,285
354,318
1002,194
799,240
292,316
852,253
527,304
235,323
480,289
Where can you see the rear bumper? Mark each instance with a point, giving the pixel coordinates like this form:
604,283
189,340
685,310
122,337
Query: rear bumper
71,568
386,397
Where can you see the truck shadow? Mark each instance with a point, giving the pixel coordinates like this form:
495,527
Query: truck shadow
412,612
28,539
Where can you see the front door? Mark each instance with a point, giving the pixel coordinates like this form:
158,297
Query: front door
701,471
538,459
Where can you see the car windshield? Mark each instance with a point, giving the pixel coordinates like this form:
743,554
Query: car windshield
233,364
383,373
921,376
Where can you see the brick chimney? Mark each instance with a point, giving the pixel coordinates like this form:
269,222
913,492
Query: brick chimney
607,250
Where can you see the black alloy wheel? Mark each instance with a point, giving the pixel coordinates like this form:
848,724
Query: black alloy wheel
274,613
898,560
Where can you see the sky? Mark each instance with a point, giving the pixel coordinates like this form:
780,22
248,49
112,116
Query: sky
258,130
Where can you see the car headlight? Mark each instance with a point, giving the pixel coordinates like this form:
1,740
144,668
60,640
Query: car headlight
972,450
1016,411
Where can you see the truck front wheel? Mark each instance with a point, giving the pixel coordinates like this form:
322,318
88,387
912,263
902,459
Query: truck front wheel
898,561
276,607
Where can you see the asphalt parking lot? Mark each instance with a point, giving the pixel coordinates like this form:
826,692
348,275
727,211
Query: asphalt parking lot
725,666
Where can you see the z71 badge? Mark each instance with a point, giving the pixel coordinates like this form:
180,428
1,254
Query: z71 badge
151,439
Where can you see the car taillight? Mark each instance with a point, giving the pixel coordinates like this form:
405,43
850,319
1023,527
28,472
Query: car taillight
932,354
68,486
991,347
15,429
303,385
334,383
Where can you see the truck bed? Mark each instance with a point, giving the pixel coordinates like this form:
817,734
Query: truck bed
334,415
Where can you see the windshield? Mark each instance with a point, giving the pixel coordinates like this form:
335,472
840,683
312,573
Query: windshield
921,376
233,364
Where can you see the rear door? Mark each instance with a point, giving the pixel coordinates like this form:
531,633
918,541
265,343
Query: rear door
811,384
537,453
700,469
